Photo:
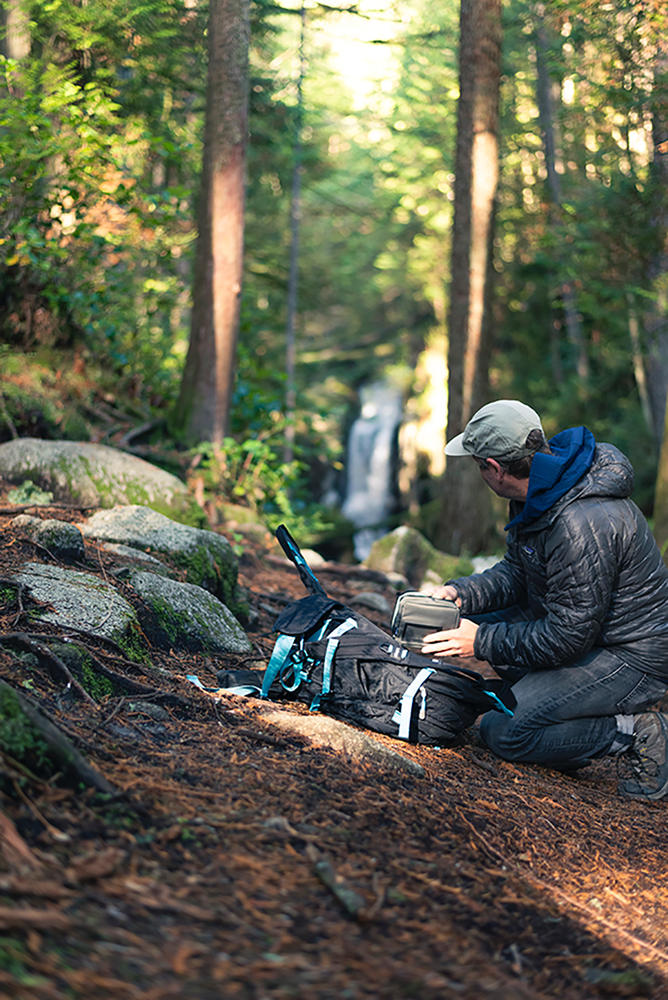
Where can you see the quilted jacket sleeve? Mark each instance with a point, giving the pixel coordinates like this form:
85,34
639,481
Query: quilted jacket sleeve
582,554
501,586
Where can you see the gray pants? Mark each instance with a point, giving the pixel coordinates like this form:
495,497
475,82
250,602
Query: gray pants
566,717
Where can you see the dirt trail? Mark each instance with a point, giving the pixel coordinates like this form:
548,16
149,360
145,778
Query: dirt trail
242,862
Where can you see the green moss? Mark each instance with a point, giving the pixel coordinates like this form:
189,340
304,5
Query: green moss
28,492
18,737
199,566
134,492
177,625
171,622
204,570
132,644
7,597
185,511
13,957
81,664
97,685
410,552
70,479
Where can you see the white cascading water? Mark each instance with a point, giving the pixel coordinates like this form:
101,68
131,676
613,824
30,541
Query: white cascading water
370,473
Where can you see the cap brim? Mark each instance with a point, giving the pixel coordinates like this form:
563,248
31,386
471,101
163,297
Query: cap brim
455,447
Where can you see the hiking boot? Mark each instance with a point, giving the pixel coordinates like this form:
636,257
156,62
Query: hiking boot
646,763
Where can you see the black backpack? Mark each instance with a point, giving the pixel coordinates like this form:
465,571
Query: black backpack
338,662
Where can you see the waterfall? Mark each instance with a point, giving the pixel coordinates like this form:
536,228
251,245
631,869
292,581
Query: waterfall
370,469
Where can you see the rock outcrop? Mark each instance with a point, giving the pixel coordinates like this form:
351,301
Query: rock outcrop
95,475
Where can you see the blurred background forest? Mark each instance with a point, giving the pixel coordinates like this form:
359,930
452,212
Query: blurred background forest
347,321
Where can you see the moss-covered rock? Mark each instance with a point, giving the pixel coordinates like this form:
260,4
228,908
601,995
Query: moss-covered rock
82,602
406,552
81,664
62,539
97,476
188,617
205,558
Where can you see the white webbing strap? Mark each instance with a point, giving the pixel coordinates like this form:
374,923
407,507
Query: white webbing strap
403,713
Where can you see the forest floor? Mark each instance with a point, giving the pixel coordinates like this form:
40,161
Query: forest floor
240,861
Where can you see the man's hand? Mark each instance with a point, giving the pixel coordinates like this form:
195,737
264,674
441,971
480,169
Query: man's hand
446,593
452,642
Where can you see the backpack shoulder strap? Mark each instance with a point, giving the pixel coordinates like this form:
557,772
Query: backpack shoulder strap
279,658
332,643
291,549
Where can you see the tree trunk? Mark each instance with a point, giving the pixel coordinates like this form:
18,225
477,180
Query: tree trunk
655,319
293,277
545,88
14,30
466,515
208,378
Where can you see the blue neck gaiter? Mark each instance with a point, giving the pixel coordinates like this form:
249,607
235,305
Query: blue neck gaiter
553,475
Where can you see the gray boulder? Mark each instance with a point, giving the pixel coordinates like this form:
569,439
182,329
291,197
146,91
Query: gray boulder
408,553
370,599
63,540
189,617
82,602
206,558
95,475
129,556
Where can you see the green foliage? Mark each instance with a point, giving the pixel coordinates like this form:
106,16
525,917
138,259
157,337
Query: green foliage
100,153
254,472
97,219
601,240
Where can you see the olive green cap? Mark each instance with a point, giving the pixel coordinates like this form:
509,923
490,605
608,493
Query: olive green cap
498,430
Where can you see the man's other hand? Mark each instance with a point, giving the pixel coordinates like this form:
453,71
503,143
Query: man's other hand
446,592
451,642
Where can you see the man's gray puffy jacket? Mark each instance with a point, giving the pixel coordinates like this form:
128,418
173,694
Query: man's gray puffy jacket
588,571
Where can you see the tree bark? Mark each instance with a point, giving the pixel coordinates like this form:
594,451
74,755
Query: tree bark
208,378
655,319
466,515
14,30
293,277
545,89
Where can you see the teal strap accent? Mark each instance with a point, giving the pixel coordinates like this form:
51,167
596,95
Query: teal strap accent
284,656
293,672
406,704
498,703
280,653
241,689
332,643
321,632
